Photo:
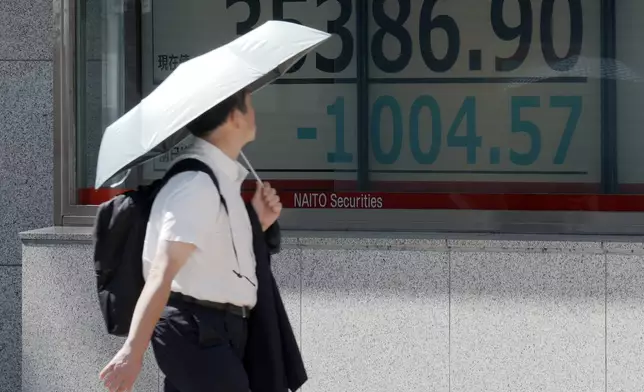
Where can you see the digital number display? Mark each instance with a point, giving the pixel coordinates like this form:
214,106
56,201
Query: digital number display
336,26
430,23
464,91
476,92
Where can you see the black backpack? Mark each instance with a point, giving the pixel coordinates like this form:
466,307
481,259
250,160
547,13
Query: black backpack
119,233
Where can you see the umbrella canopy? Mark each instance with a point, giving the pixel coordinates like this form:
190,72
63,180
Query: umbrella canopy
157,123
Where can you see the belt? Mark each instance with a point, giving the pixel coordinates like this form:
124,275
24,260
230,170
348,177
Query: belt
241,311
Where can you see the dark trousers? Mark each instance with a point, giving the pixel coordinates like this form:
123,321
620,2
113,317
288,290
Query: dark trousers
200,349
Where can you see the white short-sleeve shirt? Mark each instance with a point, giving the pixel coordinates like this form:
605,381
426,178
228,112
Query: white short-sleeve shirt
188,209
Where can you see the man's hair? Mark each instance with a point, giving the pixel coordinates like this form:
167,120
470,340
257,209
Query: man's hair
210,120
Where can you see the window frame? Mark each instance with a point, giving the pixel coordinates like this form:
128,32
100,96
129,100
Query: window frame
65,115
68,213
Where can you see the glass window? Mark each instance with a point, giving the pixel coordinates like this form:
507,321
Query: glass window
627,96
484,97
424,105
107,85
307,120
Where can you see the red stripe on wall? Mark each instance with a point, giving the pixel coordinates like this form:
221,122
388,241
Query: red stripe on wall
93,197
408,195
450,201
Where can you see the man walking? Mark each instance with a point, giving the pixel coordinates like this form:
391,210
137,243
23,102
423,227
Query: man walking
200,265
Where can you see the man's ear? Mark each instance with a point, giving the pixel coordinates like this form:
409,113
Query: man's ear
235,117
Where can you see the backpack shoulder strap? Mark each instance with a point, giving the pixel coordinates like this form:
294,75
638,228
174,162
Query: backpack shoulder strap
192,164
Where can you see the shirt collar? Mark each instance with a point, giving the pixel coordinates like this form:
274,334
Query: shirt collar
219,161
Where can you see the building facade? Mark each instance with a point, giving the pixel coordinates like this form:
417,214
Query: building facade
464,208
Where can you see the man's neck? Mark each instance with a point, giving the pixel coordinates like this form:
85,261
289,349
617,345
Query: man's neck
230,149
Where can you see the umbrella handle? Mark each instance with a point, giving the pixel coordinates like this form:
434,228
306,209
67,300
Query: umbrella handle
250,167
120,182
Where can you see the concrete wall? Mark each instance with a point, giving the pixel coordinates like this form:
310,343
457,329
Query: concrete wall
26,160
389,315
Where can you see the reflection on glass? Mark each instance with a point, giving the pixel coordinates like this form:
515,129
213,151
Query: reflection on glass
101,92
484,101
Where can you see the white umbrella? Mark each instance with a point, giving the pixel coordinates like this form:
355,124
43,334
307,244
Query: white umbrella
157,123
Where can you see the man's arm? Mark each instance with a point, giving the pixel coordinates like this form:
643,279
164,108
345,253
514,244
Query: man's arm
122,371
171,257
188,214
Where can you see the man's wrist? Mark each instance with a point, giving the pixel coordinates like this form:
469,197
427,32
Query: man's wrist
136,349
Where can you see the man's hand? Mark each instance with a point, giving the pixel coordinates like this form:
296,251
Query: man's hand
120,374
267,205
